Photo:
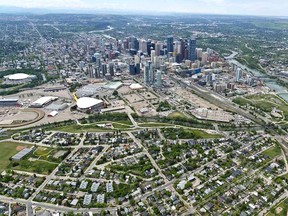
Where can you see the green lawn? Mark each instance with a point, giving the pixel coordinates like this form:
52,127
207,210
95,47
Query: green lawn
129,123
120,126
37,166
125,122
273,151
79,129
281,207
154,124
264,102
181,133
7,150
285,176
176,114
46,154
241,101
205,135
42,151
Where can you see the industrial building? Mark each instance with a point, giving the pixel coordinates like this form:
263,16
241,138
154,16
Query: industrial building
22,153
9,102
89,104
53,113
89,90
58,106
43,101
113,85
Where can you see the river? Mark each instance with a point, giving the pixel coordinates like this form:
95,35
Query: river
280,90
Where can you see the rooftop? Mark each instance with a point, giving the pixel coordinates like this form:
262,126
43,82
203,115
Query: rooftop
87,102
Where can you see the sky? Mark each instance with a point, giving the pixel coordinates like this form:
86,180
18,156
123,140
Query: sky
241,7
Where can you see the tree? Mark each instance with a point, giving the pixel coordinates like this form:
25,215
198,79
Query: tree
115,93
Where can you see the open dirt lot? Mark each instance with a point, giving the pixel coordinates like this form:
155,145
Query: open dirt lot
148,95
133,98
194,99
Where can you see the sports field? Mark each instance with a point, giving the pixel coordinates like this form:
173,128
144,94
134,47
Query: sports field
7,150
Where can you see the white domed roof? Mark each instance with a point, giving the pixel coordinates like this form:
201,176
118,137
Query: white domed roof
18,76
87,102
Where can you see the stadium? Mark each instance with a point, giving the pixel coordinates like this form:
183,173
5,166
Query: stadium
89,104
18,78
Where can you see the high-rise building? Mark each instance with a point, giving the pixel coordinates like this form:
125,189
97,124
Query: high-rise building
111,68
132,69
204,58
137,68
133,43
209,78
183,45
199,53
192,49
90,71
239,74
219,87
152,56
104,69
146,75
158,47
143,46
156,62
152,74
149,45
170,44
136,59
159,78
177,47
97,72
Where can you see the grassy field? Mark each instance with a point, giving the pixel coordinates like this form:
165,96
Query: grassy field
120,126
37,166
125,122
176,115
205,135
241,101
280,209
46,154
250,62
181,133
7,150
154,124
42,151
273,151
264,102
79,129
285,176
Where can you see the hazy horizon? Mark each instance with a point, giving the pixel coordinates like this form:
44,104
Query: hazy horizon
225,7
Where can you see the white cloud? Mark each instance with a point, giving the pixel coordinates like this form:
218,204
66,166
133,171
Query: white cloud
245,7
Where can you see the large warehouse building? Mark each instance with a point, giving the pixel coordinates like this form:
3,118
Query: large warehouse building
43,101
89,104
6,102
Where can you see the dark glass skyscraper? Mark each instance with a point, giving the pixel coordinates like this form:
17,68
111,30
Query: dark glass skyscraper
170,44
192,49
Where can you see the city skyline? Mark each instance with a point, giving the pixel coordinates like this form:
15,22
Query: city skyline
237,7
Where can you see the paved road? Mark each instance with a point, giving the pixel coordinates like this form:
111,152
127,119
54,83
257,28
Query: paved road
53,174
138,142
96,159
56,207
